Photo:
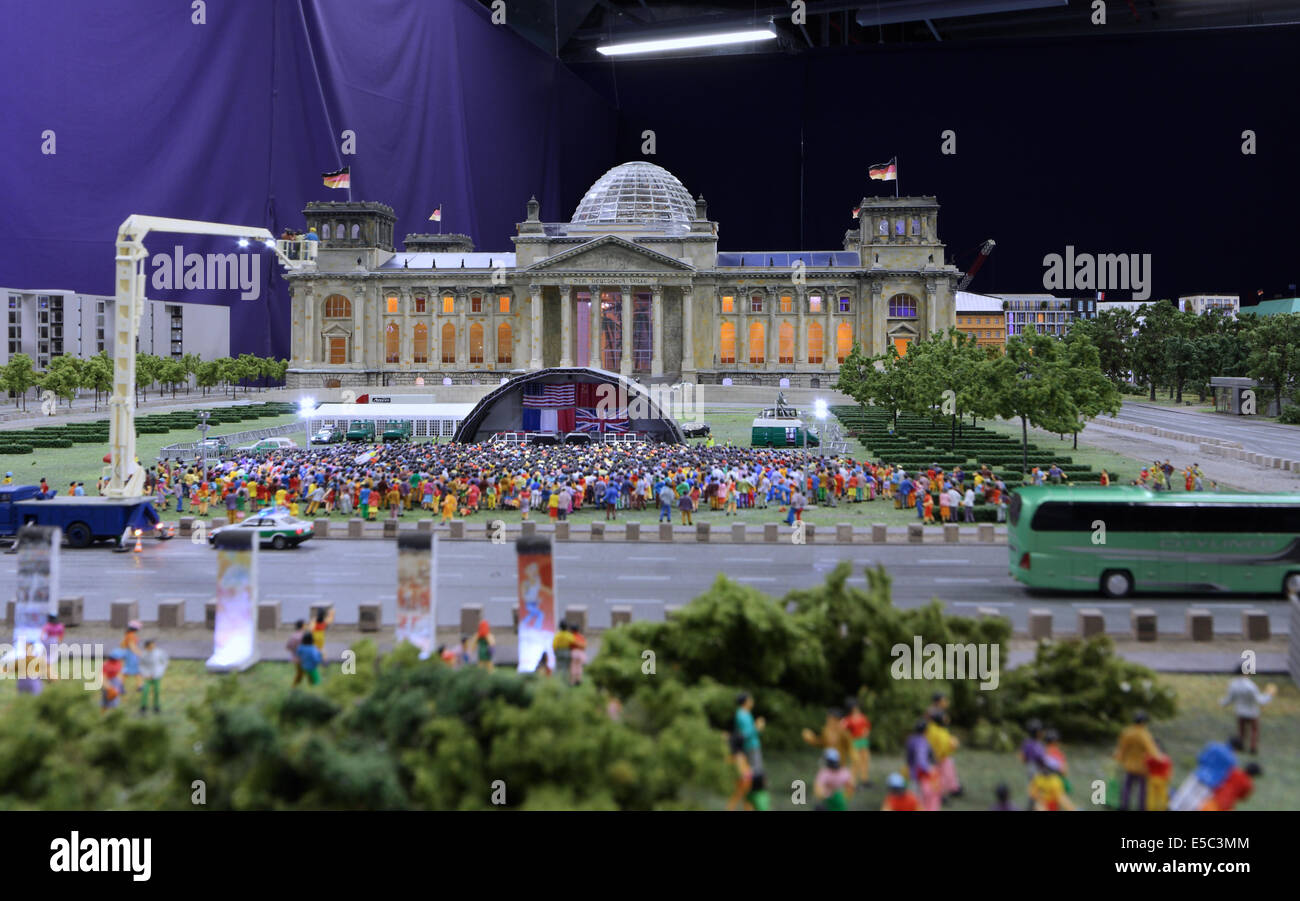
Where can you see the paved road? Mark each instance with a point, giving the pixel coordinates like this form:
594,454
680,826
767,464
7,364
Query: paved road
1254,436
646,577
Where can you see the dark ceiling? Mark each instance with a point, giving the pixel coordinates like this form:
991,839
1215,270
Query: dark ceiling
572,29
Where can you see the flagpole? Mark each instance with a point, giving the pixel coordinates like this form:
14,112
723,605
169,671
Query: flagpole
895,178
439,217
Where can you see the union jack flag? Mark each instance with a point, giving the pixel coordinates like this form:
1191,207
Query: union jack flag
588,420
548,396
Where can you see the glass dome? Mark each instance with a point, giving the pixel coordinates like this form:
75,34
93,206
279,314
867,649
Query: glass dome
636,192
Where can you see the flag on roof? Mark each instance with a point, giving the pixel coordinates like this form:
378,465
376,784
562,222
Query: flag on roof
341,178
437,214
885,171
856,210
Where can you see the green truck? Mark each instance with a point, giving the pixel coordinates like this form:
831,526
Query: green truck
364,430
770,431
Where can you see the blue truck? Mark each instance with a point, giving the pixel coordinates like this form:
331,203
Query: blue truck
84,520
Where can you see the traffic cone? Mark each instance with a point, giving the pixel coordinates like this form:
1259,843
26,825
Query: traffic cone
139,547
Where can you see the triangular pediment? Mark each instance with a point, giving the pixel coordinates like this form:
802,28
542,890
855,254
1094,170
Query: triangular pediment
610,253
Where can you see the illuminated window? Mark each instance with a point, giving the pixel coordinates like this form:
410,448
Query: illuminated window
420,351
449,343
728,304
814,303
392,343
898,227
338,352
787,303
815,342
785,341
476,343
884,226
727,342
392,304
844,304
476,304
505,338
902,306
449,304
843,341
503,304
756,304
916,226
756,335
420,304
338,307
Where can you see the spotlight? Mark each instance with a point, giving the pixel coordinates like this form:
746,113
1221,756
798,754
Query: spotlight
688,42
243,242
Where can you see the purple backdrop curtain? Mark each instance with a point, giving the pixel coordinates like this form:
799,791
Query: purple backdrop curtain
234,121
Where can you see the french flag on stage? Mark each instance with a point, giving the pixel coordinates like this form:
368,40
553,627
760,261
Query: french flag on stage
548,396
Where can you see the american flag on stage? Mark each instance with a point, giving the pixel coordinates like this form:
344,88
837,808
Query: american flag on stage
548,396
588,420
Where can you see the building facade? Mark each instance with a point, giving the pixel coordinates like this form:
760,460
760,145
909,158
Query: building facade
633,283
1045,313
982,317
1274,307
47,324
1199,304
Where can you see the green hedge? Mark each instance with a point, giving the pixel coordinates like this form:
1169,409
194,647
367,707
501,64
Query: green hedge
15,448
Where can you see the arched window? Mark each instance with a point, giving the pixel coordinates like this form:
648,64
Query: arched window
756,334
449,343
392,342
785,353
420,349
843,341
815,342
476,343
356,231
338,307
476,304
505,340
902,306
727,342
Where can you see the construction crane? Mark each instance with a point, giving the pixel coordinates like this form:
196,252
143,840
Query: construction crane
126,478
975,266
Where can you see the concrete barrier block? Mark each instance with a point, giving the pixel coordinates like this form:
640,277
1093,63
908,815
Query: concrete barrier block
951,533
989,613
219,522
577,615
597,531
527,528
1255,625
171,614
356,527
457,529
915,533
619,615
390,528
425,525
1144,623
9,612
986,534
1200,624
122,612
809,533
844,533
72,610
268,616
665,531
632,532
1091,622
1040,623
321,528
771,532
562,531
210,615
470,614
737,533
702,531
369,617
186,526
879,533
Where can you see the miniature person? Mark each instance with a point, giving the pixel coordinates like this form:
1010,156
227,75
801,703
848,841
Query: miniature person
758,797
1055,754
833,784
1135,745
1160,770
1003,795
748,728
292,645
744,774
899,796
1236,787
1213,764
833,735
131,656
859,729
153,664
52,637
562,645
944,744
921,766
483,644
577,654
309,657
1048,790
110,694
1246,699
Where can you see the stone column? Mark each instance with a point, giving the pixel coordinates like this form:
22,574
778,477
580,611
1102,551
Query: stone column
688,338
801,328
593,329
406,347
829,302
742,328
490,331
930,300
360,303
879,318
657,332
307,349
773,330
462,331
535,333
625,310
566,325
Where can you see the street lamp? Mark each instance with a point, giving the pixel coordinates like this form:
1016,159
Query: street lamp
203,441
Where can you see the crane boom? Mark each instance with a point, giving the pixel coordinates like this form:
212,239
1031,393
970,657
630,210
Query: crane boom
126,479
975,266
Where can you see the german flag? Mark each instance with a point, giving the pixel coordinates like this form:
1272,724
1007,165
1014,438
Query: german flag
885,171
340,179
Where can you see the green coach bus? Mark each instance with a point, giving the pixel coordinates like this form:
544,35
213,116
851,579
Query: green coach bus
1117,540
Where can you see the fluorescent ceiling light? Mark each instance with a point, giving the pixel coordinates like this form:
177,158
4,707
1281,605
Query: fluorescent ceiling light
688,42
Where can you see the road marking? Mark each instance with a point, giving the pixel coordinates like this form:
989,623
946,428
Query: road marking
659,559
970,581
755,578
633,601
510,600
641,578
446,556
1100,604
572,557
982,603
939,560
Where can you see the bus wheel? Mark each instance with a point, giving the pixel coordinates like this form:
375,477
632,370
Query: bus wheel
79,535
1291,585
1116,583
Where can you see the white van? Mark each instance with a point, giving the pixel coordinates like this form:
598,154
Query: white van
268,444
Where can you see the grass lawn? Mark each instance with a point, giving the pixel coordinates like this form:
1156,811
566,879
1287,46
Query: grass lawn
1200,719
1191,401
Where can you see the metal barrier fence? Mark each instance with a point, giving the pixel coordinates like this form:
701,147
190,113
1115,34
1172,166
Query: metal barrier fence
193,449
